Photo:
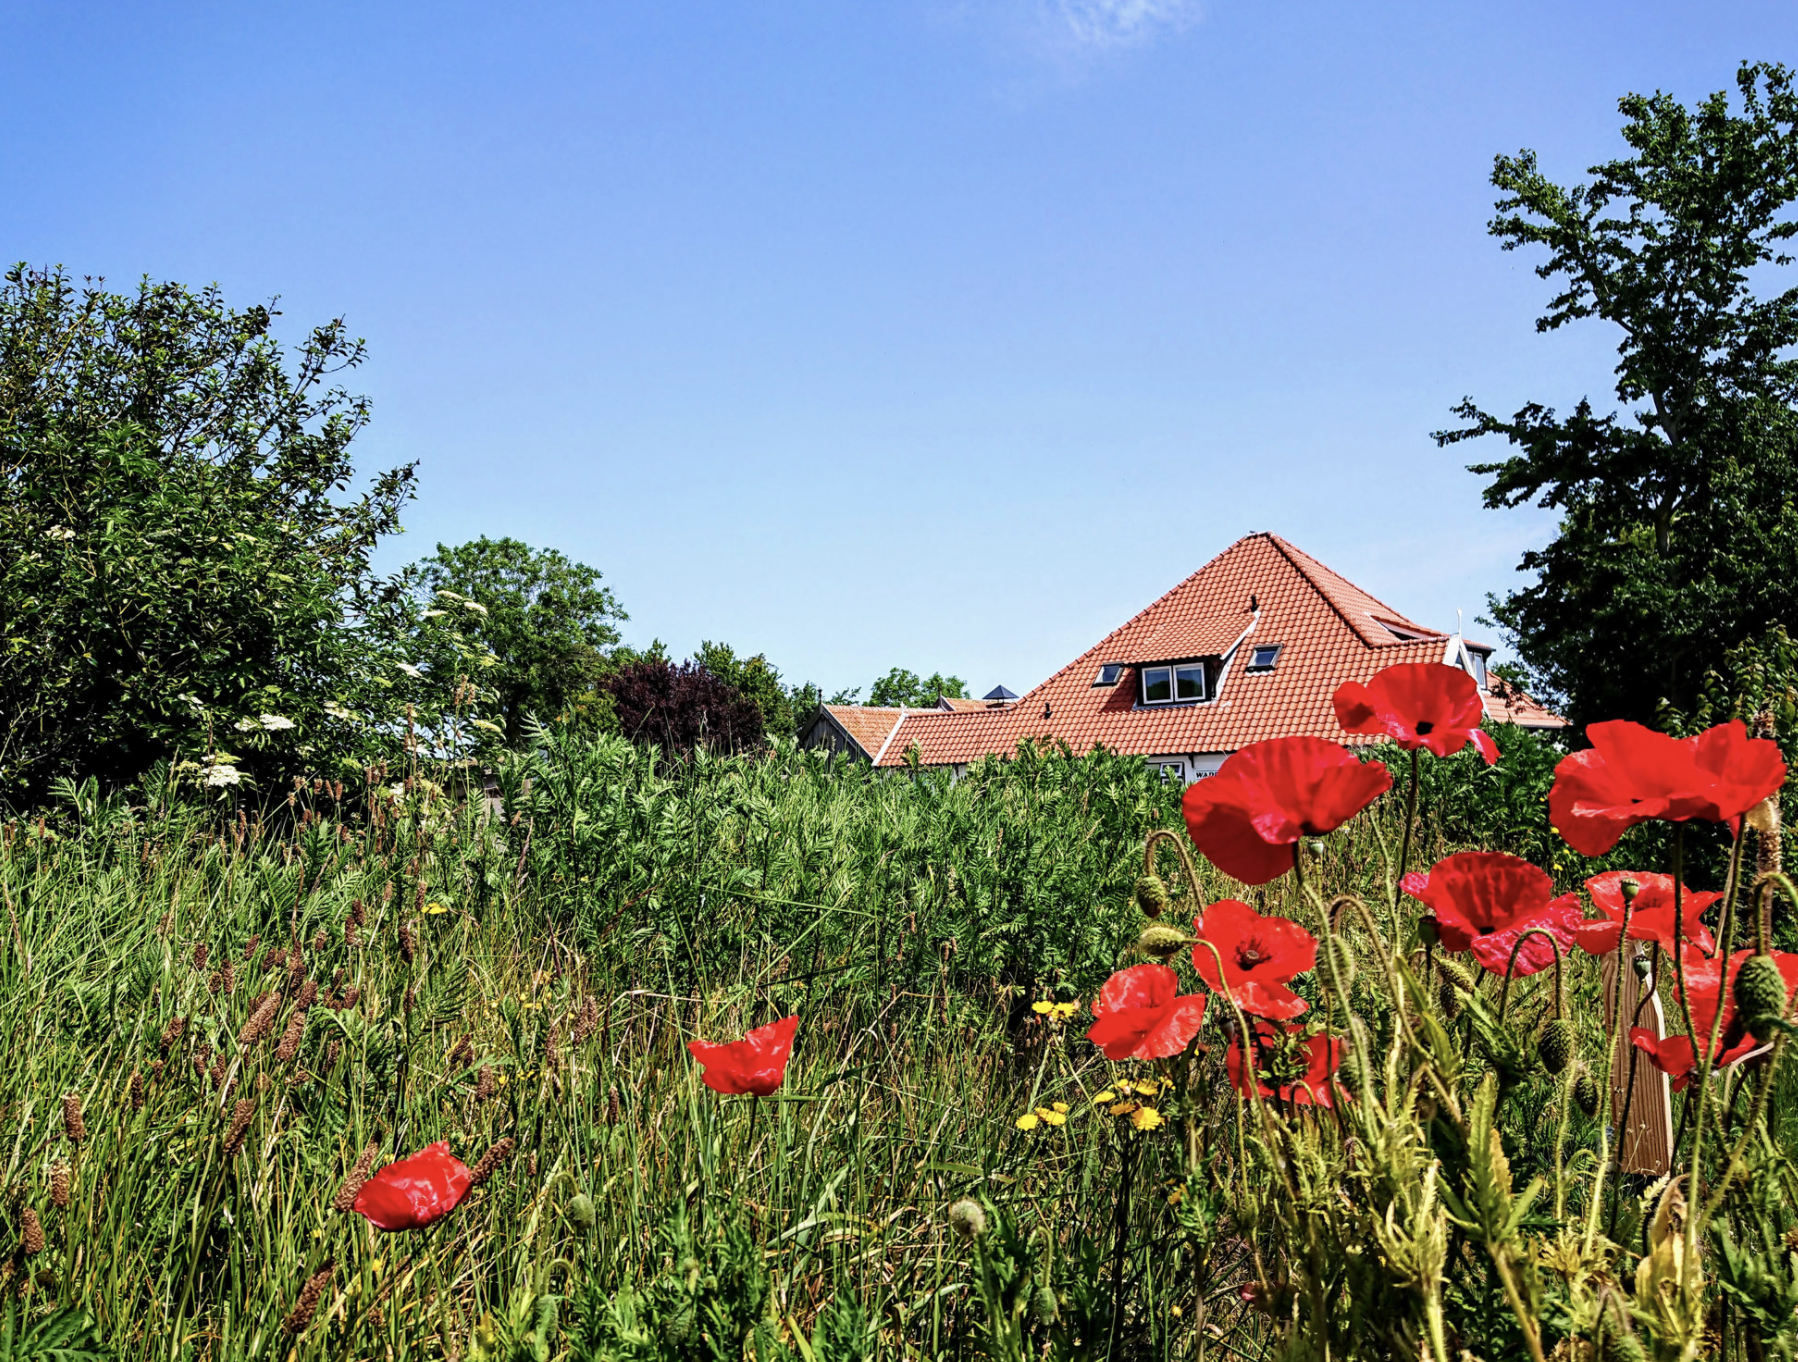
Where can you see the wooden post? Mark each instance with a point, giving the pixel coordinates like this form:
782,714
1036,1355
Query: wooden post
1647,1146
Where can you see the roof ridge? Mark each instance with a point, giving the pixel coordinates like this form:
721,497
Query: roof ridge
1314,575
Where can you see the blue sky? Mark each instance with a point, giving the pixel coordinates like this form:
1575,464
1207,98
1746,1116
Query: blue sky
939,333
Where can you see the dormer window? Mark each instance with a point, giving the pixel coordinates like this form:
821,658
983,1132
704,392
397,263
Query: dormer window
1263,656
1174,684
1479,667
1109,674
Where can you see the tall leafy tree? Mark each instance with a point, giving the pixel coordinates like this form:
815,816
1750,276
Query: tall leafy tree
184,568
902,687
1678,536
681,708
535,624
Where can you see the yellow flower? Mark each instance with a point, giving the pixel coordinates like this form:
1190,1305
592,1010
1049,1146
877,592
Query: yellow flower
1065,1010
1107,1096
1027,1121
1042,1005
1176,1195
1147,1089
435,908
1123,1109
1145,1118
1052,1117
1061,1107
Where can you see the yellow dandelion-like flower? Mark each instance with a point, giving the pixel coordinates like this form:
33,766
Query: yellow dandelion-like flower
433,909
1043,1006
1027,1121
1123,1108
1176,1195
1065,1010
1052,1117
1099,1099
1145,1118
1147,1089
1061,1107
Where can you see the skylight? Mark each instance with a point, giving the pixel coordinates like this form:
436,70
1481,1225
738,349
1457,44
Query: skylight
1109,674
1263,657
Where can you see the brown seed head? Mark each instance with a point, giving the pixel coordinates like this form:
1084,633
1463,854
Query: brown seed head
292,1036
352,997
334,1049
249,947
408,945
275,958
586,1022
229,976
345,1200
310,1295
199,955
612,1105
308,995
483,1083
240,1125
162,928
72,1124
172,1033
358,912
319,940
214,984
261,1021
491,1160
350,935
463,1055
31,1232
406,1001
221,1072
552,1056
137,1091
296,970
59,1185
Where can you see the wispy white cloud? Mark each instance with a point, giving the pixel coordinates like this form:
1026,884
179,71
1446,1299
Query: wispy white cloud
1117,23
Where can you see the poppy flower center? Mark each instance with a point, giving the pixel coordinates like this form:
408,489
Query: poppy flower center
1425,728
1251,953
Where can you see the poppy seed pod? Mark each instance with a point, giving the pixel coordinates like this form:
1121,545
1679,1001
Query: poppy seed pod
1427,931
1760,994
967,1218
1151,895
1556,1045
581,1211
1643,967
1585,1093
1161,942
1044,1305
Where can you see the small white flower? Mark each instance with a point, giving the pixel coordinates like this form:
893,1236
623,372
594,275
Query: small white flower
62,532
274,723
476,606
337,711
490,726
220,776
435,614
409,669
246,725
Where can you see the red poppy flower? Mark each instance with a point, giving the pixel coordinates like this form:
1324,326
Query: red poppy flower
1672,1055
1486,900
757,1063
1260,954
1139,1015
415,1191
1322,1055
1651,917
1705,985
1418,704
1631,774
1266,796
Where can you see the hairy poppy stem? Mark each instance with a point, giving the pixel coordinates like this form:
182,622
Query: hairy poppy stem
1404,854
1504,991
1610,1069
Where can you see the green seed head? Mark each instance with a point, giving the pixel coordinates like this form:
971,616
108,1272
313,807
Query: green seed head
1585,1093
1151,895
1161,942
1556,1045
1760,994
581,1211
1044,1305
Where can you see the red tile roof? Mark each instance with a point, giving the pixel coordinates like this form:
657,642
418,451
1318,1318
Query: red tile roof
1509,704
869,725
1330,631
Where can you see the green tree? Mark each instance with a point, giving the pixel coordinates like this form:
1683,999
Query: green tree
535,624
901,687
1678,536
786,710
182,570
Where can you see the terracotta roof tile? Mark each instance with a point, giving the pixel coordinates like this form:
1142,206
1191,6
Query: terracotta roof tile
1330,631
869,725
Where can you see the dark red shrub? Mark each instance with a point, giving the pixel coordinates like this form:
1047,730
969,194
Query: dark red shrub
681,708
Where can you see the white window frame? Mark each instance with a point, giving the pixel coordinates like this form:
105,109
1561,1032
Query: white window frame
1167,676
1255,650
1117,673
1171,672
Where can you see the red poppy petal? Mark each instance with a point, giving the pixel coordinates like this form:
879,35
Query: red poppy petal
1269,998
1174,1029
1486,744
1140,986
1220,828
416,1191
1598,938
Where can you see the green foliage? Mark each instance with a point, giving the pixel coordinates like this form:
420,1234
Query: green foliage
785,710
65,1335
544,620
1679,529
1020,870
901,687
177,559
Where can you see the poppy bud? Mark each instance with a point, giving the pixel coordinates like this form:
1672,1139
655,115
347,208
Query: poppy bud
1044,1305
1427,931
1556,1045
1760,994
1585,1093
581,1211
1151,895
967,1218
1161,942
